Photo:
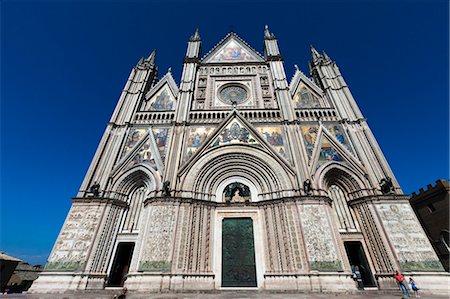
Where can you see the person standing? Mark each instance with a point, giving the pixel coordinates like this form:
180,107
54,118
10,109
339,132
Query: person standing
412,283
401,283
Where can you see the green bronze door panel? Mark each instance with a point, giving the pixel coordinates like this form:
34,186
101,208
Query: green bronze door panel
238,253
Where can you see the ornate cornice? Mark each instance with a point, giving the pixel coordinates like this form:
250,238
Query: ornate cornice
104,200
379,198
308,199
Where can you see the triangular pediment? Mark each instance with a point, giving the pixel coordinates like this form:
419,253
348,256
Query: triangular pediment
162,96
234,130
232,49
332,147
305,93
141,152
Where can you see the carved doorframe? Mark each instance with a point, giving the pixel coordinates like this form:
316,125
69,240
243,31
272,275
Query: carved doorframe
239,212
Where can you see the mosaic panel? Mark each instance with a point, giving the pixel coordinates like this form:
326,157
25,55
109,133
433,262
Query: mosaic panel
338,132
328,152
133,139
71,248
310,135
232,52
161,139
162,100
318,238
197,136
156,249
144,155
406,235
274,136
304,98
234,133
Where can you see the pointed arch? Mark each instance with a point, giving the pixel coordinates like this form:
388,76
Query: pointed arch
350,181
135,177
134,186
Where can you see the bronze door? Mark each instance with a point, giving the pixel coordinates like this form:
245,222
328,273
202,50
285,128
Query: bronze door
238,253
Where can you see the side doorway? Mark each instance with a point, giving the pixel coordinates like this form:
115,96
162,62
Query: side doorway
121,264
358,260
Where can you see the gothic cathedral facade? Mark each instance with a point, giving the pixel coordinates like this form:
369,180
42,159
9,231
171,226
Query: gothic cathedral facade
238,177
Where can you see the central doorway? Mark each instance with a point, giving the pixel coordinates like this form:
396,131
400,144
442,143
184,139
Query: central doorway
357,258
238,253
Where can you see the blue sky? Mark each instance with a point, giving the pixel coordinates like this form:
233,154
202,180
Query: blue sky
64,64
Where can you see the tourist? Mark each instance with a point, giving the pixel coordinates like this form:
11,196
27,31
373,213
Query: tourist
412,283
401,283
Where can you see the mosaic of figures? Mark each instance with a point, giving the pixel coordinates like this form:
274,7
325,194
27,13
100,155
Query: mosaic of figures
310,135
156,249
304,98
161,139
328,152
274,136
162,100
318,238
133,139
234,133
338,132
71,249
197,137
233,52
144,155
410,242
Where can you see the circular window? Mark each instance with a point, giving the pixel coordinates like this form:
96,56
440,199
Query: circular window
233,94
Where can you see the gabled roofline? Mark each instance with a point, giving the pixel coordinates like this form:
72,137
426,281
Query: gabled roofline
224,40
167,78
300,76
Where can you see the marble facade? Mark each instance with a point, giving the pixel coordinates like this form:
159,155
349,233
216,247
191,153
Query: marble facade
237,139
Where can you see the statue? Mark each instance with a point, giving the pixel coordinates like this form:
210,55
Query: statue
95,189
166,188
237,192
386,185
307,186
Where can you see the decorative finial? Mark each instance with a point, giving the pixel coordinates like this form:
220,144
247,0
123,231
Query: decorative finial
196,36
296,67
151,57
169,70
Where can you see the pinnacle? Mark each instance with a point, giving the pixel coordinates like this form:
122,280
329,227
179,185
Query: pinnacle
196,36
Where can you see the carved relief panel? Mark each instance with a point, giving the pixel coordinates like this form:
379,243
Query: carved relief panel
407,237
71,249
322,251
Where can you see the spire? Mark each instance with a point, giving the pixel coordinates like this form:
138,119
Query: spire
325,55
151,57
315,55
195,37
267,33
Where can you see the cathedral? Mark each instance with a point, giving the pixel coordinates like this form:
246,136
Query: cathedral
239,177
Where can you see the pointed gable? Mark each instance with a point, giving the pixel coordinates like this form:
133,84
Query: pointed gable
305,93
235,130
162,96
232,49
331,145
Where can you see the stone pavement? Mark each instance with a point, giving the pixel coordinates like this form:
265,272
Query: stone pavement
225,295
